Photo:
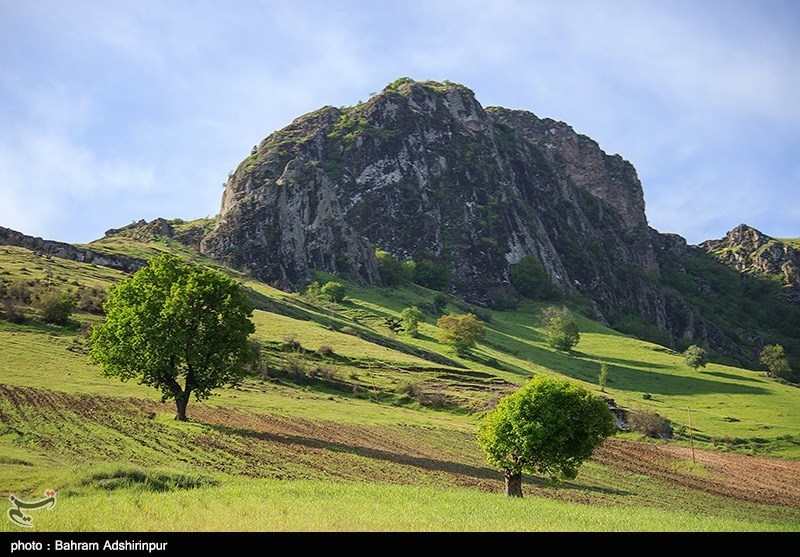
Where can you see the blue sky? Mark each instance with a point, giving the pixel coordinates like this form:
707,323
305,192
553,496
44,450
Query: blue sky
112,111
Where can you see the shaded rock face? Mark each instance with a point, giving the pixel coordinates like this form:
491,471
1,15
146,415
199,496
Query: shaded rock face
749,251
422,170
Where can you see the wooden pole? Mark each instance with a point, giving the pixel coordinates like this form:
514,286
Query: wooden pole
691,437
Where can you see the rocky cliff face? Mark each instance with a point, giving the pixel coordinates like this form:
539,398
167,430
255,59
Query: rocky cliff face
749,251
422,170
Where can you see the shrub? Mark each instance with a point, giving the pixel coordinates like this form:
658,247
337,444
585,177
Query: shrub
12,313
774,357
334,291
325,350
291,342
431,275
439,303
55,307
650,424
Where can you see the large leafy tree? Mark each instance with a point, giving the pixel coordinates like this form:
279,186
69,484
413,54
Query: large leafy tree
550,426
179,328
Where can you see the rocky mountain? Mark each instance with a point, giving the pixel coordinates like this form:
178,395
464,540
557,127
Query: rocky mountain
424,172
749,251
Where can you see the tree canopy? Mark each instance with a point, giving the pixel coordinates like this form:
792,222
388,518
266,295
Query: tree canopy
774,357
695,357
560,328
461,332
550,426
179,328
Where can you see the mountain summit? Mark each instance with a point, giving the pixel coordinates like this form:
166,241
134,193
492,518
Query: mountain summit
424,172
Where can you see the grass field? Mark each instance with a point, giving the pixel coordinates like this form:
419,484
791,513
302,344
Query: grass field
381,422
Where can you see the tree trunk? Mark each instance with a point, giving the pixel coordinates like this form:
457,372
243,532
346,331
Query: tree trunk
513,483
181,401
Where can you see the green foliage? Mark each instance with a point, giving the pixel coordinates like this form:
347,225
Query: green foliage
602,377
398,82
460,332
695,357
561,330
530,278
393,324
501,297
774,357
439,303
333,291
394,272
313,292
172,320
550,426
55,307
411,316
431,275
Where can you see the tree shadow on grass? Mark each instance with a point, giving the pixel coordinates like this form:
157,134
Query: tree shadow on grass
425,463
734,377
623,361
368,452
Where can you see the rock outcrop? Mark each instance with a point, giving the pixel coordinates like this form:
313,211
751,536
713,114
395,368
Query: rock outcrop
423,171
749,251
63,250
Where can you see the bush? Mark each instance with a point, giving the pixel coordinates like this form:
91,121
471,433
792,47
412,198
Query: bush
501,297
291,342
55,307
325,350
561,330
774,357
650,424
12,313
334,291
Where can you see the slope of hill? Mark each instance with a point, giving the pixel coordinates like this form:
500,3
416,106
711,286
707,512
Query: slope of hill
376,409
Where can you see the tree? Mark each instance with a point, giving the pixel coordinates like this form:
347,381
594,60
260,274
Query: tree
774,357
411,316
550,426
461,332
560,328
602,378
391,269
530,278
56,307
439,303
695,357
173,323
431,275
334,291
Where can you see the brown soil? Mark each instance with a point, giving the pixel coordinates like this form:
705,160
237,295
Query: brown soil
94,428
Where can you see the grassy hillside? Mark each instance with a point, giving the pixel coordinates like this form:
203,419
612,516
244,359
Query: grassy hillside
352,414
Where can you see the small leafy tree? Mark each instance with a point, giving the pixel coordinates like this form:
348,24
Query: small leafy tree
695,357
334,291
176,327
55,307
774,357
550,426
391,269
461,332
561,330
602,378
411,316
313,292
